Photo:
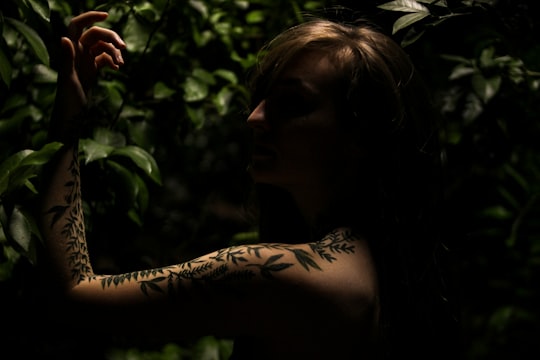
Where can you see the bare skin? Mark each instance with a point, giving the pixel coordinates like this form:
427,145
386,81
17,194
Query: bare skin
314,300
297,143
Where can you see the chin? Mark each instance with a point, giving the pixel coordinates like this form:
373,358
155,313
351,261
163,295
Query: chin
261,174
260,177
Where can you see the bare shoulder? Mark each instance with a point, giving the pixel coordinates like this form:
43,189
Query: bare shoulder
348,273
334,276
326,295
339,264
344,263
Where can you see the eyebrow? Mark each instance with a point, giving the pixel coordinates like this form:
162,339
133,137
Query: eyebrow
295,82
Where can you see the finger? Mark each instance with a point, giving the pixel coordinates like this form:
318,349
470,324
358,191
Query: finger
108,48
68,56
96,34
104,60
80,22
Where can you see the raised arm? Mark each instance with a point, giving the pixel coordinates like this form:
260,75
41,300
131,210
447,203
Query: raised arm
84,52
266,290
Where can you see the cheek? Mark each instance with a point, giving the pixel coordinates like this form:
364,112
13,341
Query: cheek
313,150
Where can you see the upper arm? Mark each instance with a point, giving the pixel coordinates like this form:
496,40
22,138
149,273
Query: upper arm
243,289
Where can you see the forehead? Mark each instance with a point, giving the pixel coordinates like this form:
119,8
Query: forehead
311,70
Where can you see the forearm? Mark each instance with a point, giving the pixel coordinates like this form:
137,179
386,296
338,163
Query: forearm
84,52
62,219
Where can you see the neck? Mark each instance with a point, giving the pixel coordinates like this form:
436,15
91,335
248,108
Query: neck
312,201
327,203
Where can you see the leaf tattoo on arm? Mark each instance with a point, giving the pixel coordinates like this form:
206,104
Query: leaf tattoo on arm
73,230
334,243
271,266
236,264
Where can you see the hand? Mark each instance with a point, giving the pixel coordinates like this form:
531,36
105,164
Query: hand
84,52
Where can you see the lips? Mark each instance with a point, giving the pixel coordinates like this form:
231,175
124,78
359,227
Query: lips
261,151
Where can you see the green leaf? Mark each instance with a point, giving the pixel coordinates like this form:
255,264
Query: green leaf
126,187
147,11
460,71
141,200
404,6
313,5
14,101
36,43
141,133
42,156
255,17
17,230
5,68
200,6
45,75
107,136
222,100
456,58
6,268
486,88
10,126
473,107
516,176
142,159
93,150
206,348
408,20
486,57
507,195
28,184
8,167
412,36
20,229
24,113
196,116
136,35
16,170
143,196
40,7
249,237
134,216
195,89
441,3
162,91
21,177
227,75
497,212
113,90
3,222
204,75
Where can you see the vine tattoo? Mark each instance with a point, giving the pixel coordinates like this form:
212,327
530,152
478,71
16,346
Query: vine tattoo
225,265
216,267
73,229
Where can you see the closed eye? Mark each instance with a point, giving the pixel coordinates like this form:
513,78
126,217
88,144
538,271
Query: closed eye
290,105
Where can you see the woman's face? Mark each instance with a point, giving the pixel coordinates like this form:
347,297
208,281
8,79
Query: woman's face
296,141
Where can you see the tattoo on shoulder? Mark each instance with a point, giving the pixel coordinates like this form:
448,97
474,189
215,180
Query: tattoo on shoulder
218,270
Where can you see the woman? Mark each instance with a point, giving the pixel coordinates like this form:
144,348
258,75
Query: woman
343,162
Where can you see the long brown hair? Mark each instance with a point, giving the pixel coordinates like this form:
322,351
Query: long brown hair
393,201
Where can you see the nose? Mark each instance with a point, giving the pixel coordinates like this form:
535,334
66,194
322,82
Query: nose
257,119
